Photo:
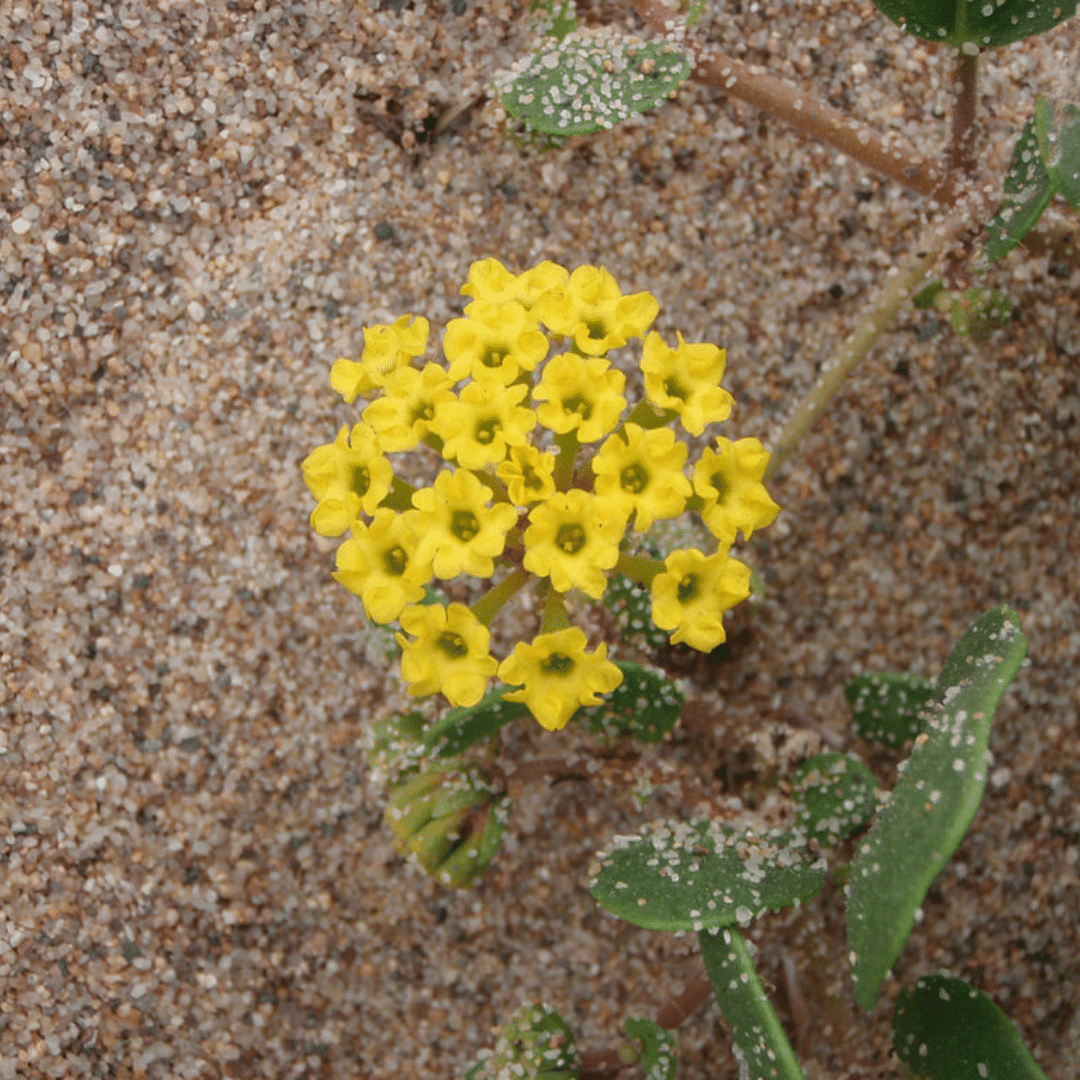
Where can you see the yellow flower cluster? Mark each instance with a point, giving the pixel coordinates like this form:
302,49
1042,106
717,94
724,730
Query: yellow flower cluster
538,472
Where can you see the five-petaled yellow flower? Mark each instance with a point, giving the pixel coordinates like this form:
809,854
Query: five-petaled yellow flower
592,310
693,593
346,476
528,475
687,381
641,472
378,563
450,654
580,394
729,481
478,426
404,414
459,532
574,537
385,348
494,343
557,676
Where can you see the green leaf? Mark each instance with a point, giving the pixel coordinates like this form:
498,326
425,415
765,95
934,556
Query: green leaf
1028,191
395,744
985,23
836,796
946,1030
933,802
658,1059
886,707
693,9
554,18
632,605
927,298
645,706
978,311
591,81
1059,143
702,874
460,728
761,1046
536,1043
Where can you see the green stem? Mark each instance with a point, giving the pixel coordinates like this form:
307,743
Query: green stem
638,569
433,440
498,490
564,464
759,1038
490,604
646,415
400,496
554,617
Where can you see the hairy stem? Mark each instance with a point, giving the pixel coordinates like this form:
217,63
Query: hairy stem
638,569
962,127
812,117
491,603
564,464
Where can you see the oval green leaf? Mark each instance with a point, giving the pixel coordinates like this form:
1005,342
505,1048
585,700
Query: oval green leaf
984,23
658,1060
592,80
702,874
644,706
460,728
835,793
947,1030
885,707
933,803
1058,130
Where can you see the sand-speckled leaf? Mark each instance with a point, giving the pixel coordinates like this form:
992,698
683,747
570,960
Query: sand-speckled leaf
984,23
460,728
835,793
761,1047
592,80
696,875
554,18
947,1030
934,800
536,1043
632,606
644,706
1059,142
1028,191
885,707
658,1060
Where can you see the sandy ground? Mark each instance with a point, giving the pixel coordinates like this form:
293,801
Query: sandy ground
200,208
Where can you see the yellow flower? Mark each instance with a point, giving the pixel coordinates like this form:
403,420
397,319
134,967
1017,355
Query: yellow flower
494,343
641,471
490,280
477,428
574,537
527,474
693,593
582,393
402,416
385,348
459,532
593,311
558,676
729,481
378,564
450,653
346,476
686,379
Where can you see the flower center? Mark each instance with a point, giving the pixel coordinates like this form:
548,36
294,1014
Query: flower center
673,388
570,538
597,330
557,664
452,644
396,560
463,525
688,588
494,357
486,431
719,481
577,404
634,478
423,411
361,480
531,479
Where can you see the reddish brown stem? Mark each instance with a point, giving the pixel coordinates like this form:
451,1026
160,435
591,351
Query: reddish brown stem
803,111
962,141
